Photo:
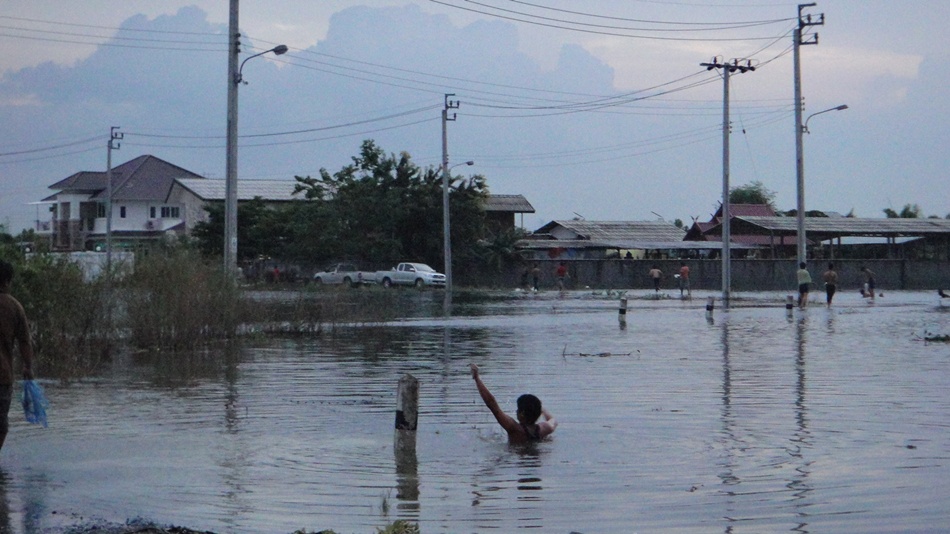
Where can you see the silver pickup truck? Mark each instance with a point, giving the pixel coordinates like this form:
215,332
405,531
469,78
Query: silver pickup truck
410,274
344,273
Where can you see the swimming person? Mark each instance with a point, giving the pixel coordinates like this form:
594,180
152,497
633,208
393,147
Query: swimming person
526,428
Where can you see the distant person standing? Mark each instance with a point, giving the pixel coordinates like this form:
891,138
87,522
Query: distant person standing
831,283
656,274
684,280
804,282
868,290
535,275
14,330
561,274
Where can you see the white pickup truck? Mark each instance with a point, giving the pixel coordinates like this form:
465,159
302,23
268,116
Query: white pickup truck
344,273
410,274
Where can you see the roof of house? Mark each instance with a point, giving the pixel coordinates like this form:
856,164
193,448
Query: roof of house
213,190
143,178
616,231
508,204
743,210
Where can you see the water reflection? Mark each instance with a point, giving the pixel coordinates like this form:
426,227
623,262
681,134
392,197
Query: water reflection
407,470
801,440
5,521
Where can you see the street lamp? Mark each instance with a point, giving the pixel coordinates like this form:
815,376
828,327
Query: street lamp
800,168
446,230
837,108
230,185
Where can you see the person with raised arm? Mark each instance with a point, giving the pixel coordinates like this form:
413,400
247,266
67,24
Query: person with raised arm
526,427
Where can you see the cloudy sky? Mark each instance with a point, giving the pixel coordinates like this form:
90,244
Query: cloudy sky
601,111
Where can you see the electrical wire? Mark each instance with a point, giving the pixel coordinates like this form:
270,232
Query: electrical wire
601,32
727,26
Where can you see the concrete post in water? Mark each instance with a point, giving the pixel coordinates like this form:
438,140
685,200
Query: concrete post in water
710,304
404,441
407,403
622,312
789,305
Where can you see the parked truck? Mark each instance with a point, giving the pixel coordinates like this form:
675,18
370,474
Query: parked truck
344,273
410,274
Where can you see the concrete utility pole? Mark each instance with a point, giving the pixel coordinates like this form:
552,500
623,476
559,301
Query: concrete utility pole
114,137
727,69
446,225
230,184
803,23
231,179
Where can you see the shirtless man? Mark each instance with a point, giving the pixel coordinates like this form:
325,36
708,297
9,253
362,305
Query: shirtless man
526,428
14,330
831,283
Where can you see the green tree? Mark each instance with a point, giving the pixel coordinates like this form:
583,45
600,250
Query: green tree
383,208
909,211
262,230
752,193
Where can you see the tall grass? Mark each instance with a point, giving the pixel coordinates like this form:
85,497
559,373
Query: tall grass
172,301
175,301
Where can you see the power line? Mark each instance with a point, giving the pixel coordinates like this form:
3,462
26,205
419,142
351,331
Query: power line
696,26
600,32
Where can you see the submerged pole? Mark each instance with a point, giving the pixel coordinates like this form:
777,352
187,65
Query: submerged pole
710,305
407,403
622,312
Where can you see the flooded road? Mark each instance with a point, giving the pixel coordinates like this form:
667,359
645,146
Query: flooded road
828,420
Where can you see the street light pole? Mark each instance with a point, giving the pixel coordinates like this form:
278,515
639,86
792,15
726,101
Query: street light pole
446,227
797,43
230,184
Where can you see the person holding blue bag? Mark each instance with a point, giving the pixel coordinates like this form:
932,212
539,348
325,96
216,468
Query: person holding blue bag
14,330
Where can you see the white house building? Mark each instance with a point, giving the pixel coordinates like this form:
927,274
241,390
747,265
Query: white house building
151,199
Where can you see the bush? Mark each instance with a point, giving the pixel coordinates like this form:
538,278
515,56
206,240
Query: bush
68,316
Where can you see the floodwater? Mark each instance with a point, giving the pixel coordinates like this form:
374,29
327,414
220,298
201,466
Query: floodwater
827,420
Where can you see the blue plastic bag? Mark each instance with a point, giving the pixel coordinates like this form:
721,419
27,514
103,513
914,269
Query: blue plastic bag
34,402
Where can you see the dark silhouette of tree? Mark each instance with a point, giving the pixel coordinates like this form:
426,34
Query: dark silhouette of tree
752,193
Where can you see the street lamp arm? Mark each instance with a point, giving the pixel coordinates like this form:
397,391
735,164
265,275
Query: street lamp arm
277,50
836,108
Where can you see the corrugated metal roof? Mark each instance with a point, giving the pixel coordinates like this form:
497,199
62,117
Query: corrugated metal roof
272,190
834,226
615,231
509,204
545,244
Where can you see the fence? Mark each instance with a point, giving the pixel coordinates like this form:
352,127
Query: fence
747,275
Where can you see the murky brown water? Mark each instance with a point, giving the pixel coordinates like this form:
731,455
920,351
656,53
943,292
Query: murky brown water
828,421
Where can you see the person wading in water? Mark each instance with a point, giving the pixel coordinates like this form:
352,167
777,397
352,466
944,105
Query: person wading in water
526,428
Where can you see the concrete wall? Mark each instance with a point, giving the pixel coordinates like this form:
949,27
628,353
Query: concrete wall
747,275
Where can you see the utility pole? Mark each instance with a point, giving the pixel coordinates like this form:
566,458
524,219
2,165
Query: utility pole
230,184
803,24
446,226
113,144
727,69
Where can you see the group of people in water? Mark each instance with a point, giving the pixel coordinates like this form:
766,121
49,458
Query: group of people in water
830,279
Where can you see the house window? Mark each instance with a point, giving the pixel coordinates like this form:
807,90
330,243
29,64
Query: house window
170,212
101,210
151,212
122,212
